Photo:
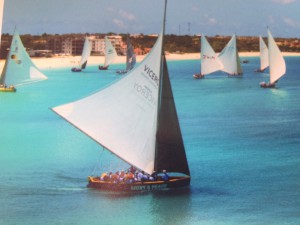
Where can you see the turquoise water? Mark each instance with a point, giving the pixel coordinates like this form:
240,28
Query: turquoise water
242,144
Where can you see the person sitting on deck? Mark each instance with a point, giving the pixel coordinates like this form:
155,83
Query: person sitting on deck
115,177
121,176
129,178
165,176
139,176
153,176
104,177
145,177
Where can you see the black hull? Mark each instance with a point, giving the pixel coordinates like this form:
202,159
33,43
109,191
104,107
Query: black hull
172,183
198,76
76,70
267,85
103,67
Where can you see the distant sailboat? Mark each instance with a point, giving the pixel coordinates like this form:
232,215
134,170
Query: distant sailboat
209,59
230,58
140,126
130,58
263,55
110,54
18,68
86,52
277,65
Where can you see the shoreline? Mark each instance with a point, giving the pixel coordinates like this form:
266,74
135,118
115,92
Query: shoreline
71,61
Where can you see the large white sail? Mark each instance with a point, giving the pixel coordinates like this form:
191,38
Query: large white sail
209,60
264,54
1,17
86,52
113,116
276,60
19,68
230,58
110,52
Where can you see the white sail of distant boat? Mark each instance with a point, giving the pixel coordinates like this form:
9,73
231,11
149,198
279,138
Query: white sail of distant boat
130,58
86,52
263,55
230,58
277,65
19,68
110,54
209,60
140,124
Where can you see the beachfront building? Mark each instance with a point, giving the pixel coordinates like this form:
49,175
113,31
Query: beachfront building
72,46
116,40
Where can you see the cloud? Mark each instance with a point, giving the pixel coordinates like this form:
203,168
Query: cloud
119,24
291,23
284,1
210,20
126,15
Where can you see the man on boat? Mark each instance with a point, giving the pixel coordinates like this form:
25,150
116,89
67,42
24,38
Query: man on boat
165,176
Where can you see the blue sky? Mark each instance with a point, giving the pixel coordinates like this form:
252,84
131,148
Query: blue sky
211,17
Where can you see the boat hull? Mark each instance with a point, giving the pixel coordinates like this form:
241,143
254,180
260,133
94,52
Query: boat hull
8,89
173,182
267,85
76,69
198,76
103,67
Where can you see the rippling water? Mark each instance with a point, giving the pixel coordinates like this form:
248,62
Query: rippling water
242,144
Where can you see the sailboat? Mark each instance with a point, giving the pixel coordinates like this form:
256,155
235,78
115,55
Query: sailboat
209,60
276,63
86,52
130,58
230,59
18,68
140,126
110,54
263,55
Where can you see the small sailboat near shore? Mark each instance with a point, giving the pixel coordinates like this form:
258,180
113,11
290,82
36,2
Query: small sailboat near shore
110,54
140,126
18,68
209,60
277,65
230,59
86,52
130,58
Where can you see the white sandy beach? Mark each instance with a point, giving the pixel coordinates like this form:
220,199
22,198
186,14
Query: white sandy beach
71,61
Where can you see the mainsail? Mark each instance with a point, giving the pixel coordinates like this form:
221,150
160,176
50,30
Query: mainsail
86,52
264,54
135,117
230,58
209,60
276,60
19,68
110,52
130,56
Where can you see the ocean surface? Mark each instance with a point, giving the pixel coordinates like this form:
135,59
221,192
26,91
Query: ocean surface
242,144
